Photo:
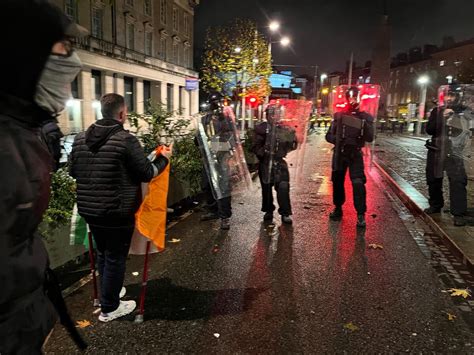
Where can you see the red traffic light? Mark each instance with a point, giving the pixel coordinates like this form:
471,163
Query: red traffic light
252,100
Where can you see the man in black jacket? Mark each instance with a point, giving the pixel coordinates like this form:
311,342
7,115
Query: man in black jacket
26,313
109,164
348,132
444,154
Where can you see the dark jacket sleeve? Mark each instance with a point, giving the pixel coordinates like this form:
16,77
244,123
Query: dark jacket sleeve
331,133
52,135
369,128
136,163
258,143
160,162
431,125
72,156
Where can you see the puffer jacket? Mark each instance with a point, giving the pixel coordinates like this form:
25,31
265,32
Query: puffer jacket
109,164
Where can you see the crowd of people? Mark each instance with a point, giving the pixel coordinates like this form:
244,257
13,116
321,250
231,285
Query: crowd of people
109,164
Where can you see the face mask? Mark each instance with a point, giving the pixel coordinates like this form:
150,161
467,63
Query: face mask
53,88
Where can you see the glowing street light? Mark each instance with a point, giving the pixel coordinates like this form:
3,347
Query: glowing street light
285,41
423,80
274,26
450,79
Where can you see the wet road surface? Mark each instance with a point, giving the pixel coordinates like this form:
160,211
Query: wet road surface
315,287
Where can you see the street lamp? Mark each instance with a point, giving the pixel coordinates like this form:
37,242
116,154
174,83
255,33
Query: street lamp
285,41
422,81
450,79
274,26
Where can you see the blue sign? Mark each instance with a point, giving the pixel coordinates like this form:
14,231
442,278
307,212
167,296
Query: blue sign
192,84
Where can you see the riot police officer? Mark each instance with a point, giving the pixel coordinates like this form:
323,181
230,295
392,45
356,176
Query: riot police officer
272,142
349,131
450,127
217,126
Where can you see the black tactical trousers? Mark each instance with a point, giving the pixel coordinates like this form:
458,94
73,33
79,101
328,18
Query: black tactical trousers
456,172
280,180
222,207
354,162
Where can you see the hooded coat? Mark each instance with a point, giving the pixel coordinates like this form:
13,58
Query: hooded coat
26,315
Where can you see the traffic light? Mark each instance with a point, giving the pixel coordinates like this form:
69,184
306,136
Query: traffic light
252,101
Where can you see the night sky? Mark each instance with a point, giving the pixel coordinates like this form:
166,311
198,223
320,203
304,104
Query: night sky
325,32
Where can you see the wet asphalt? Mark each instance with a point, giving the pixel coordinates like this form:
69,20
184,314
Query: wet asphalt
315,287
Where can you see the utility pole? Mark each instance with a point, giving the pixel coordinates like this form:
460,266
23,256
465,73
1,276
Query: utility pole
349,82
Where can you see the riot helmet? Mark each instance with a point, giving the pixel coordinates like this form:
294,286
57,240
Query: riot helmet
454,96
353,97
215,100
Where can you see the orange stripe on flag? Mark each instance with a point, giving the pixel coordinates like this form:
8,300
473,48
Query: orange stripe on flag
151,216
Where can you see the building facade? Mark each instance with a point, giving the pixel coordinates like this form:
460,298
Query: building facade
441,66
141,49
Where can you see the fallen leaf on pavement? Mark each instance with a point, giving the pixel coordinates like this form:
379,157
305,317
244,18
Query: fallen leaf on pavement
374,215
135,273
375,246
351,326
83,324
174,240
217,335
451,317
459,292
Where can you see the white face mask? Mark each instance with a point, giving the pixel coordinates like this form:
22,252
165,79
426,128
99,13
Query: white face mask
53,88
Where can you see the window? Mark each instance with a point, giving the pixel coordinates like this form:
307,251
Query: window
175,53
442,63
186,57
186,25
148,7
129,2
71,9
175,19
163,48
96,84
147,95
75,88
131,36
149,43
169,97
181,94
163,11
97,16
129,93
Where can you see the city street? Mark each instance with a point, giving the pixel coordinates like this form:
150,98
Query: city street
316,287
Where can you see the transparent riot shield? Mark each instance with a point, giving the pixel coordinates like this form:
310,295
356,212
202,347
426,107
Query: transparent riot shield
222,153
369,96
287,122
451,148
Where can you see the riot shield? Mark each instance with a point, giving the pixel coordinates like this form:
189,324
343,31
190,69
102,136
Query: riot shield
287,122
222,153
451,145
369,96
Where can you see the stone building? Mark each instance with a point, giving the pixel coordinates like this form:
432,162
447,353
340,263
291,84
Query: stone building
141,49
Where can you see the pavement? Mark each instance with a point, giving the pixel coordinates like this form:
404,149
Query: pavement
402,160
316,287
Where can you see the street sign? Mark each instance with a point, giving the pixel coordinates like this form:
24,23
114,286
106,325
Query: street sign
192,84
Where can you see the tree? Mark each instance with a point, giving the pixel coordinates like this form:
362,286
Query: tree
236,56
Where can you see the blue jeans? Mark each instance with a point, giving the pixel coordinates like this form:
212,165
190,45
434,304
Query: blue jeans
112,250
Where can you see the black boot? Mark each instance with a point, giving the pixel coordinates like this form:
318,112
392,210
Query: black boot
268,217
432,210
286,220
361,221
225,224
336,214
209,216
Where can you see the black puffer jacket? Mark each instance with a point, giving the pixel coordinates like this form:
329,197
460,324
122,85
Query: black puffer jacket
109,164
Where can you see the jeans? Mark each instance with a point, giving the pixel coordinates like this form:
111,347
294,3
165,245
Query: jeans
112,250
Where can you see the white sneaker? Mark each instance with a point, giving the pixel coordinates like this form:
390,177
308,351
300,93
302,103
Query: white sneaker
124,308
122,294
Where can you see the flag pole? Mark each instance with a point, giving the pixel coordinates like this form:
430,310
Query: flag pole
92,267
141,311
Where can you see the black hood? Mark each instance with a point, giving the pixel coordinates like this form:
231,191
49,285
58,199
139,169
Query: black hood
100,132
28,30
